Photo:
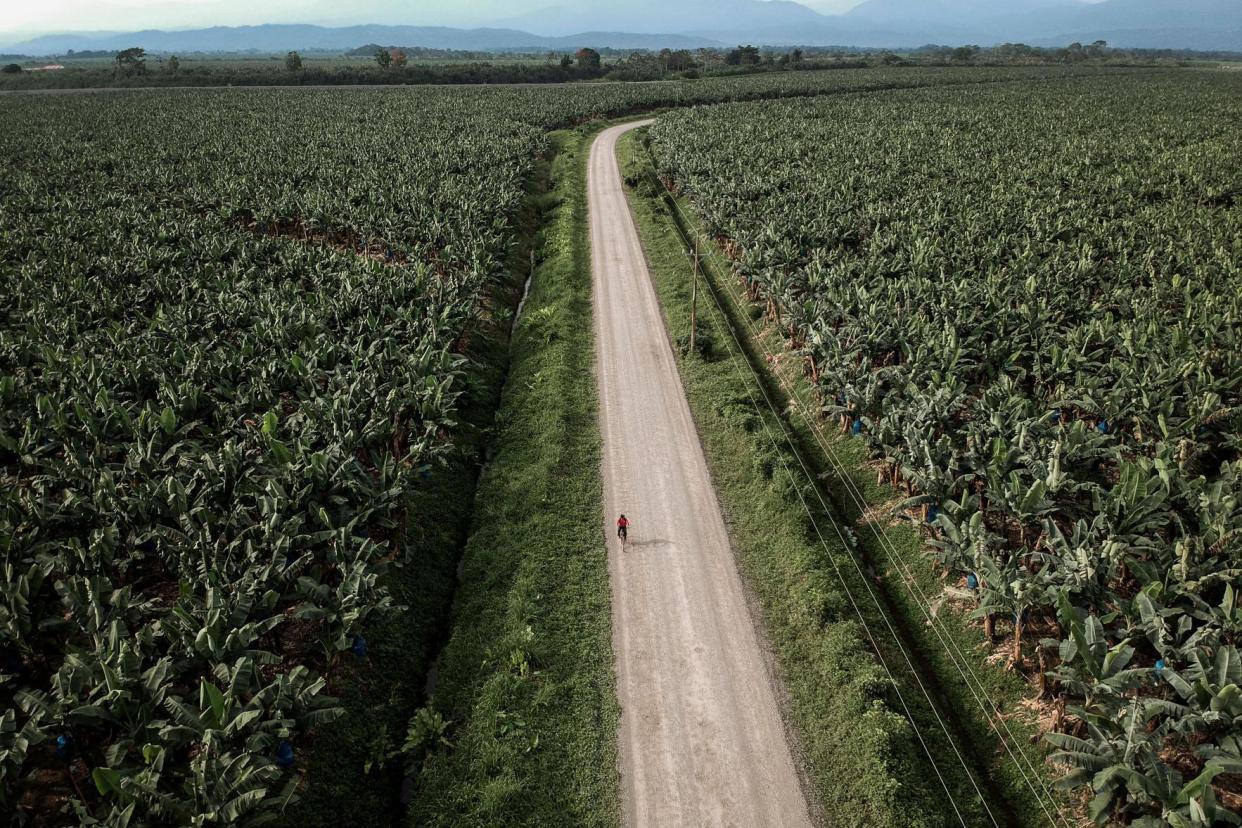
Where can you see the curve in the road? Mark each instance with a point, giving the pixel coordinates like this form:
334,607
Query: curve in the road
702,740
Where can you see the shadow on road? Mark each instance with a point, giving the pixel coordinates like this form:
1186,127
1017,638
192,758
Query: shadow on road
641,544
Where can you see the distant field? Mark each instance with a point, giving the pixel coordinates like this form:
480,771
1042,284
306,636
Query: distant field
324,69
222,69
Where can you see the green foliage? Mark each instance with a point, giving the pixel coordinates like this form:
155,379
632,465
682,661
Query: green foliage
588,59
428,732
132,61
527,677
744,56
211,436
1036,325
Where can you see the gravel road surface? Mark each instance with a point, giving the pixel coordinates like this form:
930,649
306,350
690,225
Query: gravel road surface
702,741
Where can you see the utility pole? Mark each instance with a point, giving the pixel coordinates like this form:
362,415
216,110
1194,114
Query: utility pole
694,296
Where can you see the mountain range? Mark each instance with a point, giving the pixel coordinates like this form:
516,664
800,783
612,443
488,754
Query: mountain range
653,24
283,37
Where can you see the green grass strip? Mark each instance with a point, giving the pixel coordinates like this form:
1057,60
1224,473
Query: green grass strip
527,677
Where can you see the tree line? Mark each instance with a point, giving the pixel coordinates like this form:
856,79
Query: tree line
416,65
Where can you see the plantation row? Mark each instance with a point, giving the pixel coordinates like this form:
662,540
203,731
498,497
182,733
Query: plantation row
1027,301
210,429
552,106
235,338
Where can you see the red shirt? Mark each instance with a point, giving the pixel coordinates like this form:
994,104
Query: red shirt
623,523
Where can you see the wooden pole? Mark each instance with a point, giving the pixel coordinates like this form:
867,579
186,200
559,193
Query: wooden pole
694,297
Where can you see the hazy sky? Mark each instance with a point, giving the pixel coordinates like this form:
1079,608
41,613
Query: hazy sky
128,15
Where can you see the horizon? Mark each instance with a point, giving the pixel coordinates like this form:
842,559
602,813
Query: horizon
29,20
63,16
61,26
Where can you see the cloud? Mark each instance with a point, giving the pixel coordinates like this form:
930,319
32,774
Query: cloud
832,6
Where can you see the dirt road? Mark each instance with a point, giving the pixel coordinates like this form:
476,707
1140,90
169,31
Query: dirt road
702,742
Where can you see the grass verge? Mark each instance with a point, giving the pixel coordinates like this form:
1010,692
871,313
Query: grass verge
527,677
726,403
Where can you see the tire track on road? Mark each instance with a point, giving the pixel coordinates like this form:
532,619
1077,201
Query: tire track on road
702,741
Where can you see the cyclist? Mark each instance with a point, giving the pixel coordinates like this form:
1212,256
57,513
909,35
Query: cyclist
623,525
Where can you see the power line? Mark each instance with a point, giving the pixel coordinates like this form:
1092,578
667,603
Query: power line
952,649
874,645
921,600
849,594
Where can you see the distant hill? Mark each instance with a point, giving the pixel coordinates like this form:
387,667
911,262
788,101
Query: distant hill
962,13
655,16
1156,15
1172,24
1204,40
676,24
281,38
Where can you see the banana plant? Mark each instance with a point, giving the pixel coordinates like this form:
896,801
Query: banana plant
1209,687
21,728
1168,630
1092,667
1120,761
1218,622
1136,507
222,624
236,706
18,590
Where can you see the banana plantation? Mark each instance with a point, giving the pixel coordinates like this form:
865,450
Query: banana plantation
233,341
237,330
1027,302
226,357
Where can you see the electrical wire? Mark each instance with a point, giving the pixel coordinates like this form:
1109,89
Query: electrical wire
847,543
952,649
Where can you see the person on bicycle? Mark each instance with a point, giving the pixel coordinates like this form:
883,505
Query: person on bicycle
623,525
